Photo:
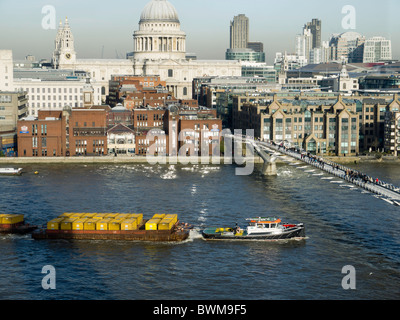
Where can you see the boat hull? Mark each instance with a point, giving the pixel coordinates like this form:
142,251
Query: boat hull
19,228
137,235
291,233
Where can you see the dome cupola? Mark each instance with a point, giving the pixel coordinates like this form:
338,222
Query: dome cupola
159,11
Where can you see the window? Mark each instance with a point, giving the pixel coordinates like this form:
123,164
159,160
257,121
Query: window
170,73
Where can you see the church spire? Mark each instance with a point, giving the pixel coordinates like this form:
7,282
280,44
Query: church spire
64,52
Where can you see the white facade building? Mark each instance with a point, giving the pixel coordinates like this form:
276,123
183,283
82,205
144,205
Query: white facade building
159,49
377,49
46,94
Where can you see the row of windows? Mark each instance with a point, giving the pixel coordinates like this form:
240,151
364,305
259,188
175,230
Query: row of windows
70,98
49,90
49,105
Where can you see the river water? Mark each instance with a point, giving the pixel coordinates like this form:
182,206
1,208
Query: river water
344,227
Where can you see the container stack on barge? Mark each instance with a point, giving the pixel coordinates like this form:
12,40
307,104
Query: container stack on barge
14,224
114,226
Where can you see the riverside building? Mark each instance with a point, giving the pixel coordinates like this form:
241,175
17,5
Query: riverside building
13,107
318,126
66,132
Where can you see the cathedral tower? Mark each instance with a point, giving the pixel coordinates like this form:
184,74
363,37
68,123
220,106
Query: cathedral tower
64,53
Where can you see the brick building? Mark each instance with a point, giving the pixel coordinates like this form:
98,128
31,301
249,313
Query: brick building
67,132
123,85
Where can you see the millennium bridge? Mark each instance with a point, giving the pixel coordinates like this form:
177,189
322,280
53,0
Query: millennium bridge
270,152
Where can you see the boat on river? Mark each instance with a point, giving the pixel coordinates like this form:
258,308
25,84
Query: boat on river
113,226
260,228
11,171
15,224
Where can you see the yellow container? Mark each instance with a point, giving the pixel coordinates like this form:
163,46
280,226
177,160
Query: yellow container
115,224
54,224
137,216
12,218
152,224
66,224
76,215
99,216
122,216
78,225
174,217
102,225
111,215
90,225
159,216
166,224
88,215
129,225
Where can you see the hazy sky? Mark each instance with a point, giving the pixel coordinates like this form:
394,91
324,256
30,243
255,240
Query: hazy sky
98,23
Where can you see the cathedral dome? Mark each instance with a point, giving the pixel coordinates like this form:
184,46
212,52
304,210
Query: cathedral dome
159,11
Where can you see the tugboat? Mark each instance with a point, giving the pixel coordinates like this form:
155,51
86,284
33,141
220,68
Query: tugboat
260,228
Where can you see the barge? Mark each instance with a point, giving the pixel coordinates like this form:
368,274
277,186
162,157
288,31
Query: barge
120,227
15,224
264,229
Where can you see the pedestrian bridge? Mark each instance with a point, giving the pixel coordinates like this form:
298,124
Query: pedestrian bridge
270,152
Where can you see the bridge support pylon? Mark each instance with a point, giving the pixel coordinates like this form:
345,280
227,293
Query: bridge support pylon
269,169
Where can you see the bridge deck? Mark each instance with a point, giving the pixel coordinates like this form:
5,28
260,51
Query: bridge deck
388,192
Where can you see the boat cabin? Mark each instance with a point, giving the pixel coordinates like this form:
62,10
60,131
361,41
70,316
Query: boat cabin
264,225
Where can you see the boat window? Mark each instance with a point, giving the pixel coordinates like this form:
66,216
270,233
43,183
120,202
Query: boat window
273,225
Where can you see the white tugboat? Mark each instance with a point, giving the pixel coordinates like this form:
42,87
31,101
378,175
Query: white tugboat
260,228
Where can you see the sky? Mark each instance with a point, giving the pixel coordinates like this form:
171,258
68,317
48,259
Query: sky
105,28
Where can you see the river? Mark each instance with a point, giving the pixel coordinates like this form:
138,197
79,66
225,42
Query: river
344,227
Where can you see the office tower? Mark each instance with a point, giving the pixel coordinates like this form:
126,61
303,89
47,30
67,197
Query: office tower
315,27
377,49
304,44
239,32
347,46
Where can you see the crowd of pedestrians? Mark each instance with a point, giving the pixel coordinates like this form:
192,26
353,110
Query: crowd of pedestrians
340,170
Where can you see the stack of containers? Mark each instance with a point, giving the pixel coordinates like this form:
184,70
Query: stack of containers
152,224
168,222
95,221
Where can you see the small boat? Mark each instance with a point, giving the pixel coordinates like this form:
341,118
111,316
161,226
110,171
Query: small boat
258,229
11,171
15,224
